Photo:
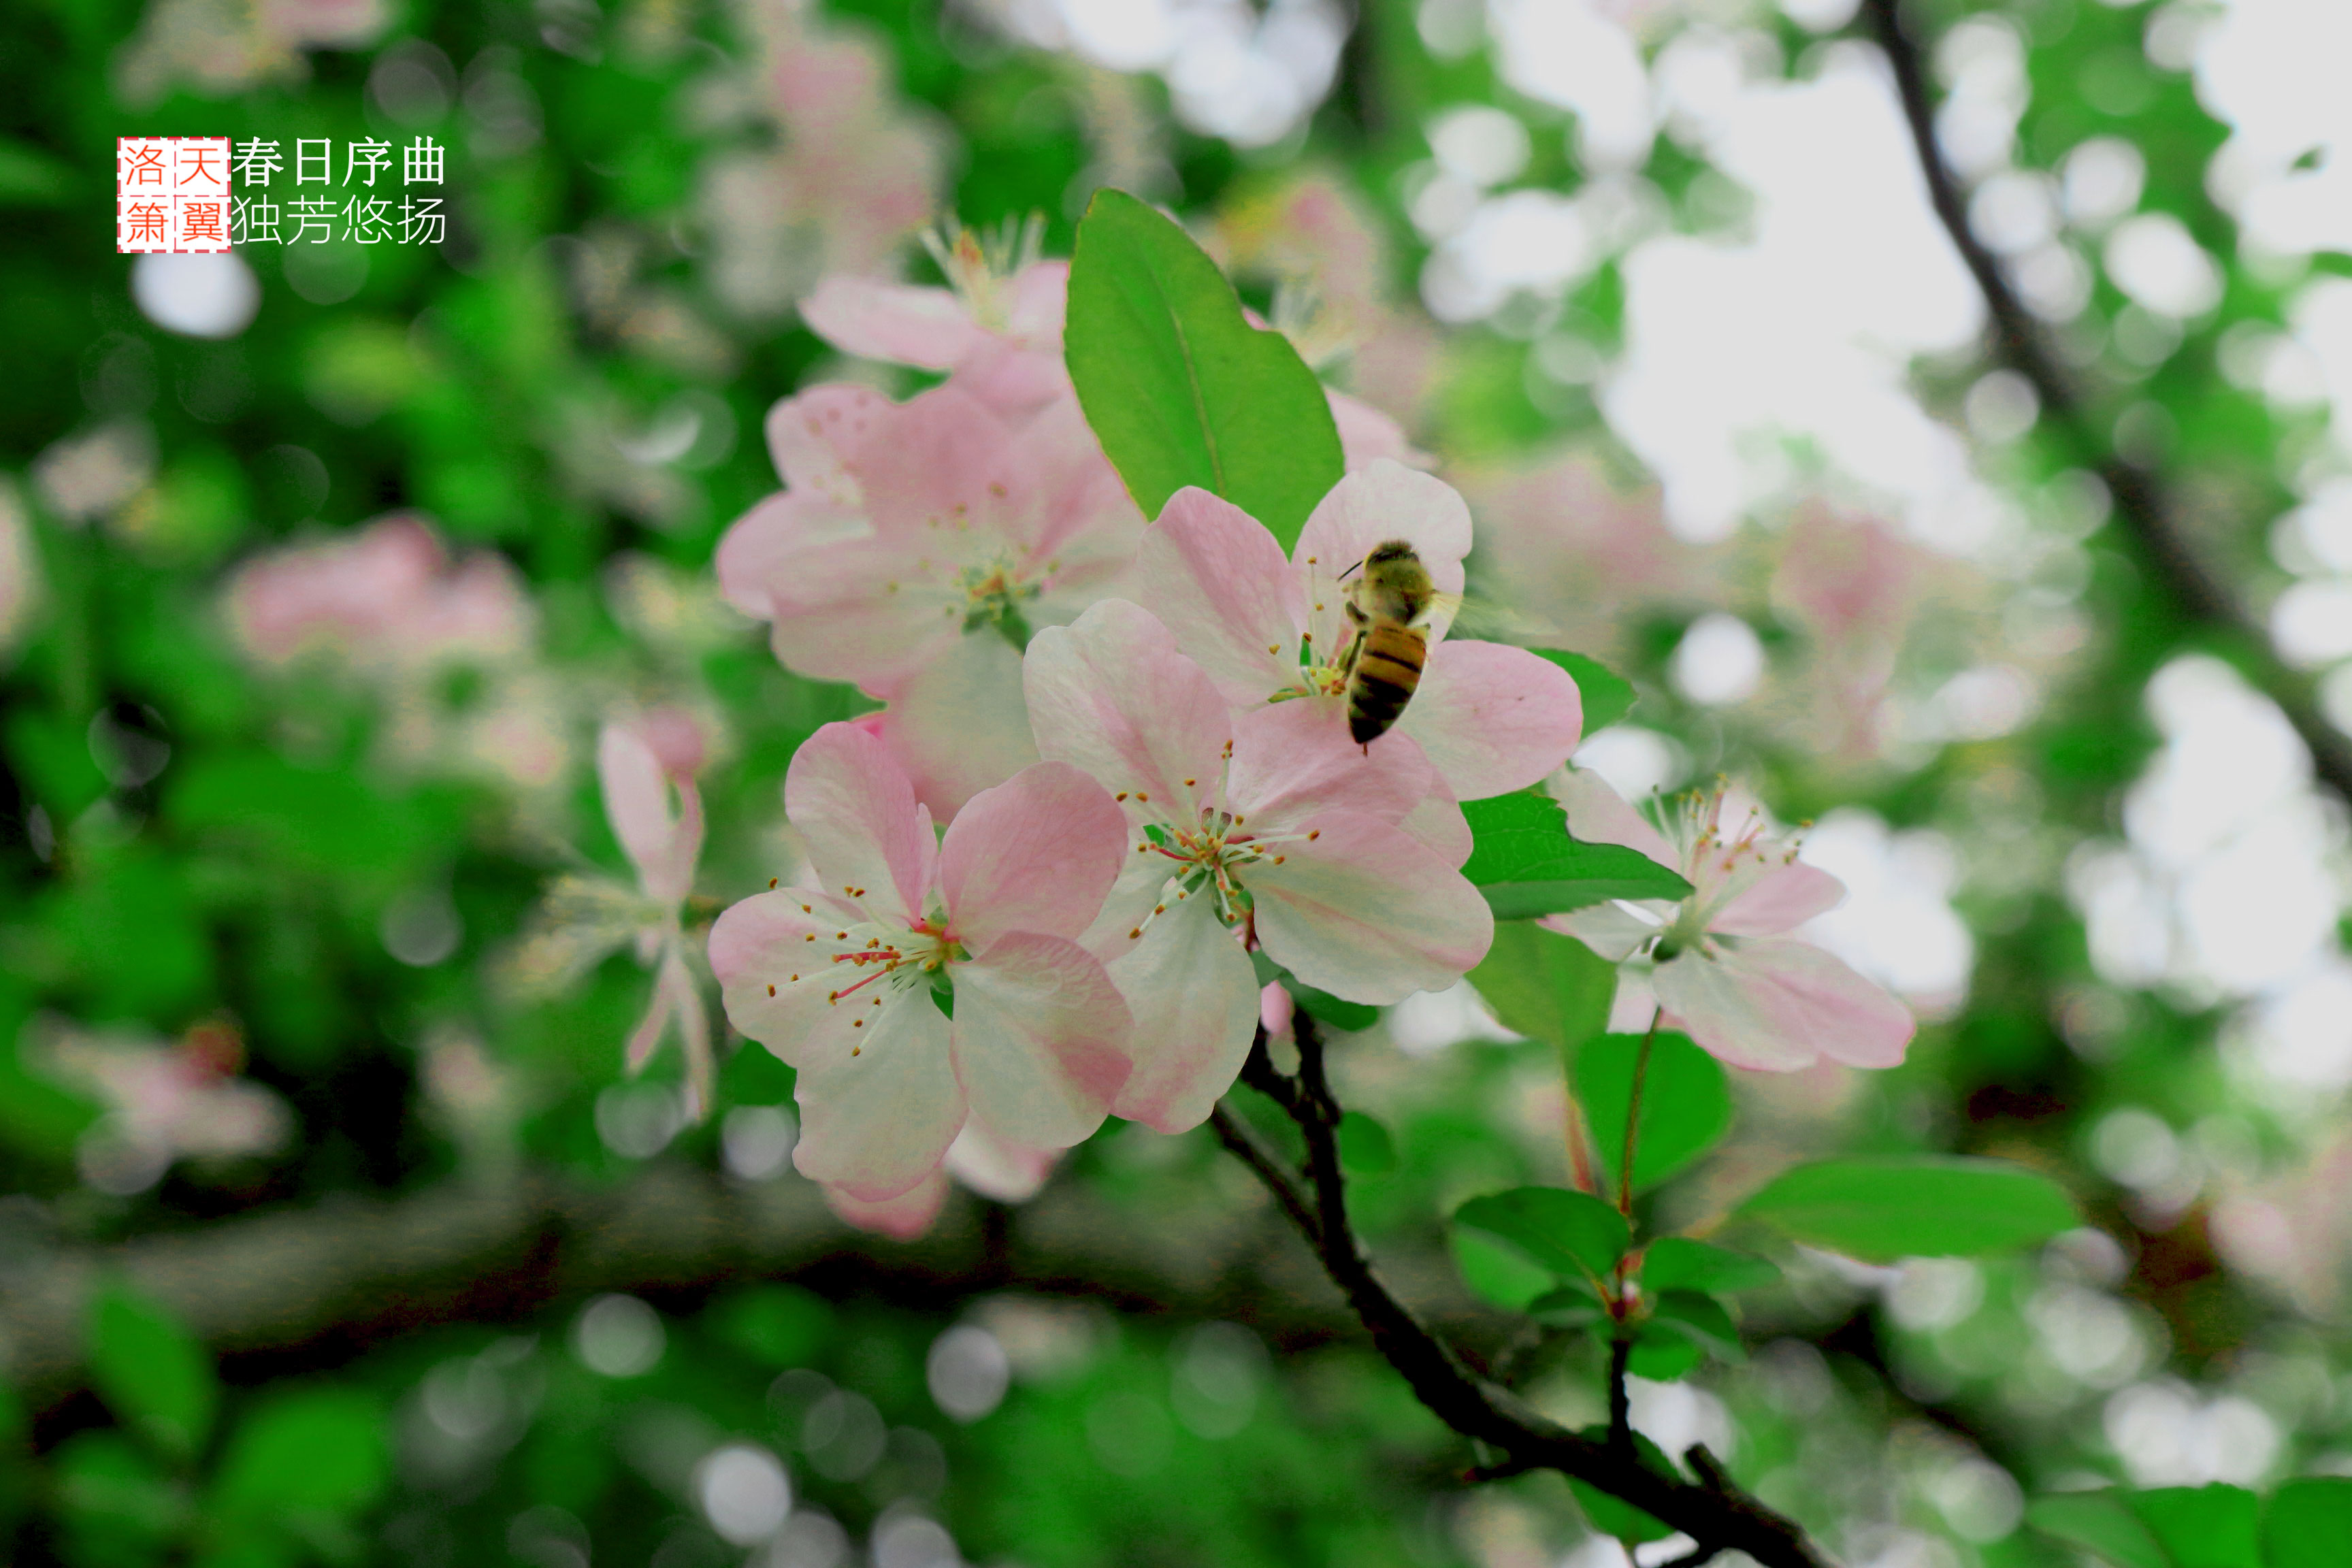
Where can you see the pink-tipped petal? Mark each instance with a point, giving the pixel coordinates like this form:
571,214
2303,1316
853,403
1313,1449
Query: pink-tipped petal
1112,695
1366,913
1040,1040
1780,901
892,322
1366,436
1383,501
855,812
1008,1173
775,544
1436,822
637,804
878,1122
1779,1005
1040,292
1492,717
760,951
693,1034
1195,995
958,725
902,1218
815,437
857,613
1216,579
1598,814
645,1038
1036,853
1293,760
1612,930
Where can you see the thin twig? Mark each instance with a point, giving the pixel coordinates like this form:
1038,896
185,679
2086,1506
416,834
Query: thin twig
2141,504
1235,1135
1717,1515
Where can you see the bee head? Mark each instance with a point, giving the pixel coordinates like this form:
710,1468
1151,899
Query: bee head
1386,555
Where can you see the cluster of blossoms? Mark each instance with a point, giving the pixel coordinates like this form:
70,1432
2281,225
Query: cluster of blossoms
1135,733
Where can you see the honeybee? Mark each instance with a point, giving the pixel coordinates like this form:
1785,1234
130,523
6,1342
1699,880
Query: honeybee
1390,605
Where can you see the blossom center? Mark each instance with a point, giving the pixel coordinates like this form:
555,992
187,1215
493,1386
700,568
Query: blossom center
994,589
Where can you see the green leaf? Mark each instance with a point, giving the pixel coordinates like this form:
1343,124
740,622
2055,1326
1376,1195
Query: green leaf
2207,1527
1546,986
1320,1006
2099,1523
1623,1520
1678,1263
1500,1273
2307,1521
1569,1233
1179,388
317,1450
1365,1147
1702,1320
152,1372
1571,1305
1606,694
1880,1209
1661,1355
1686,1104
1523,860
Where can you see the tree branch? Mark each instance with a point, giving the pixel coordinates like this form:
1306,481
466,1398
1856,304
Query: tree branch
317,1284
2141,502
1718,1516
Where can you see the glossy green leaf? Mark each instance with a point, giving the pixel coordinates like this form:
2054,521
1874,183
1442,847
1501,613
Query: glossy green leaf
1179,388
152,1372
1606,694
1523,860
1568,1231
1544,986
1662,1354
1365,1147
1569,1304
307,1451
2308,1522
2098,1522
1678,1263
1702,1319
1606,1513
1685,1103
1883,1208
1498,1272
2207,1527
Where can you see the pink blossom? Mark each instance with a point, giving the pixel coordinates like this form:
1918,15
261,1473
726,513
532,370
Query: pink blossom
1726,970
1492,718
912,550
387,598
641,764
1267,827
163,1102
853,175
996,328
850,982
1008,1173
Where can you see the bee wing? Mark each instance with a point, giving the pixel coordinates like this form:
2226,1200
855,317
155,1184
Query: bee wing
1478,616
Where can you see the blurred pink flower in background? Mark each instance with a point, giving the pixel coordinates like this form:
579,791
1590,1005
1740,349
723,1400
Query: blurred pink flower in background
163,1102
1560,543
914,548
852,982
386,598
1492,718
1271,825
853,175
88,476
1854,586
1727,971
643,765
